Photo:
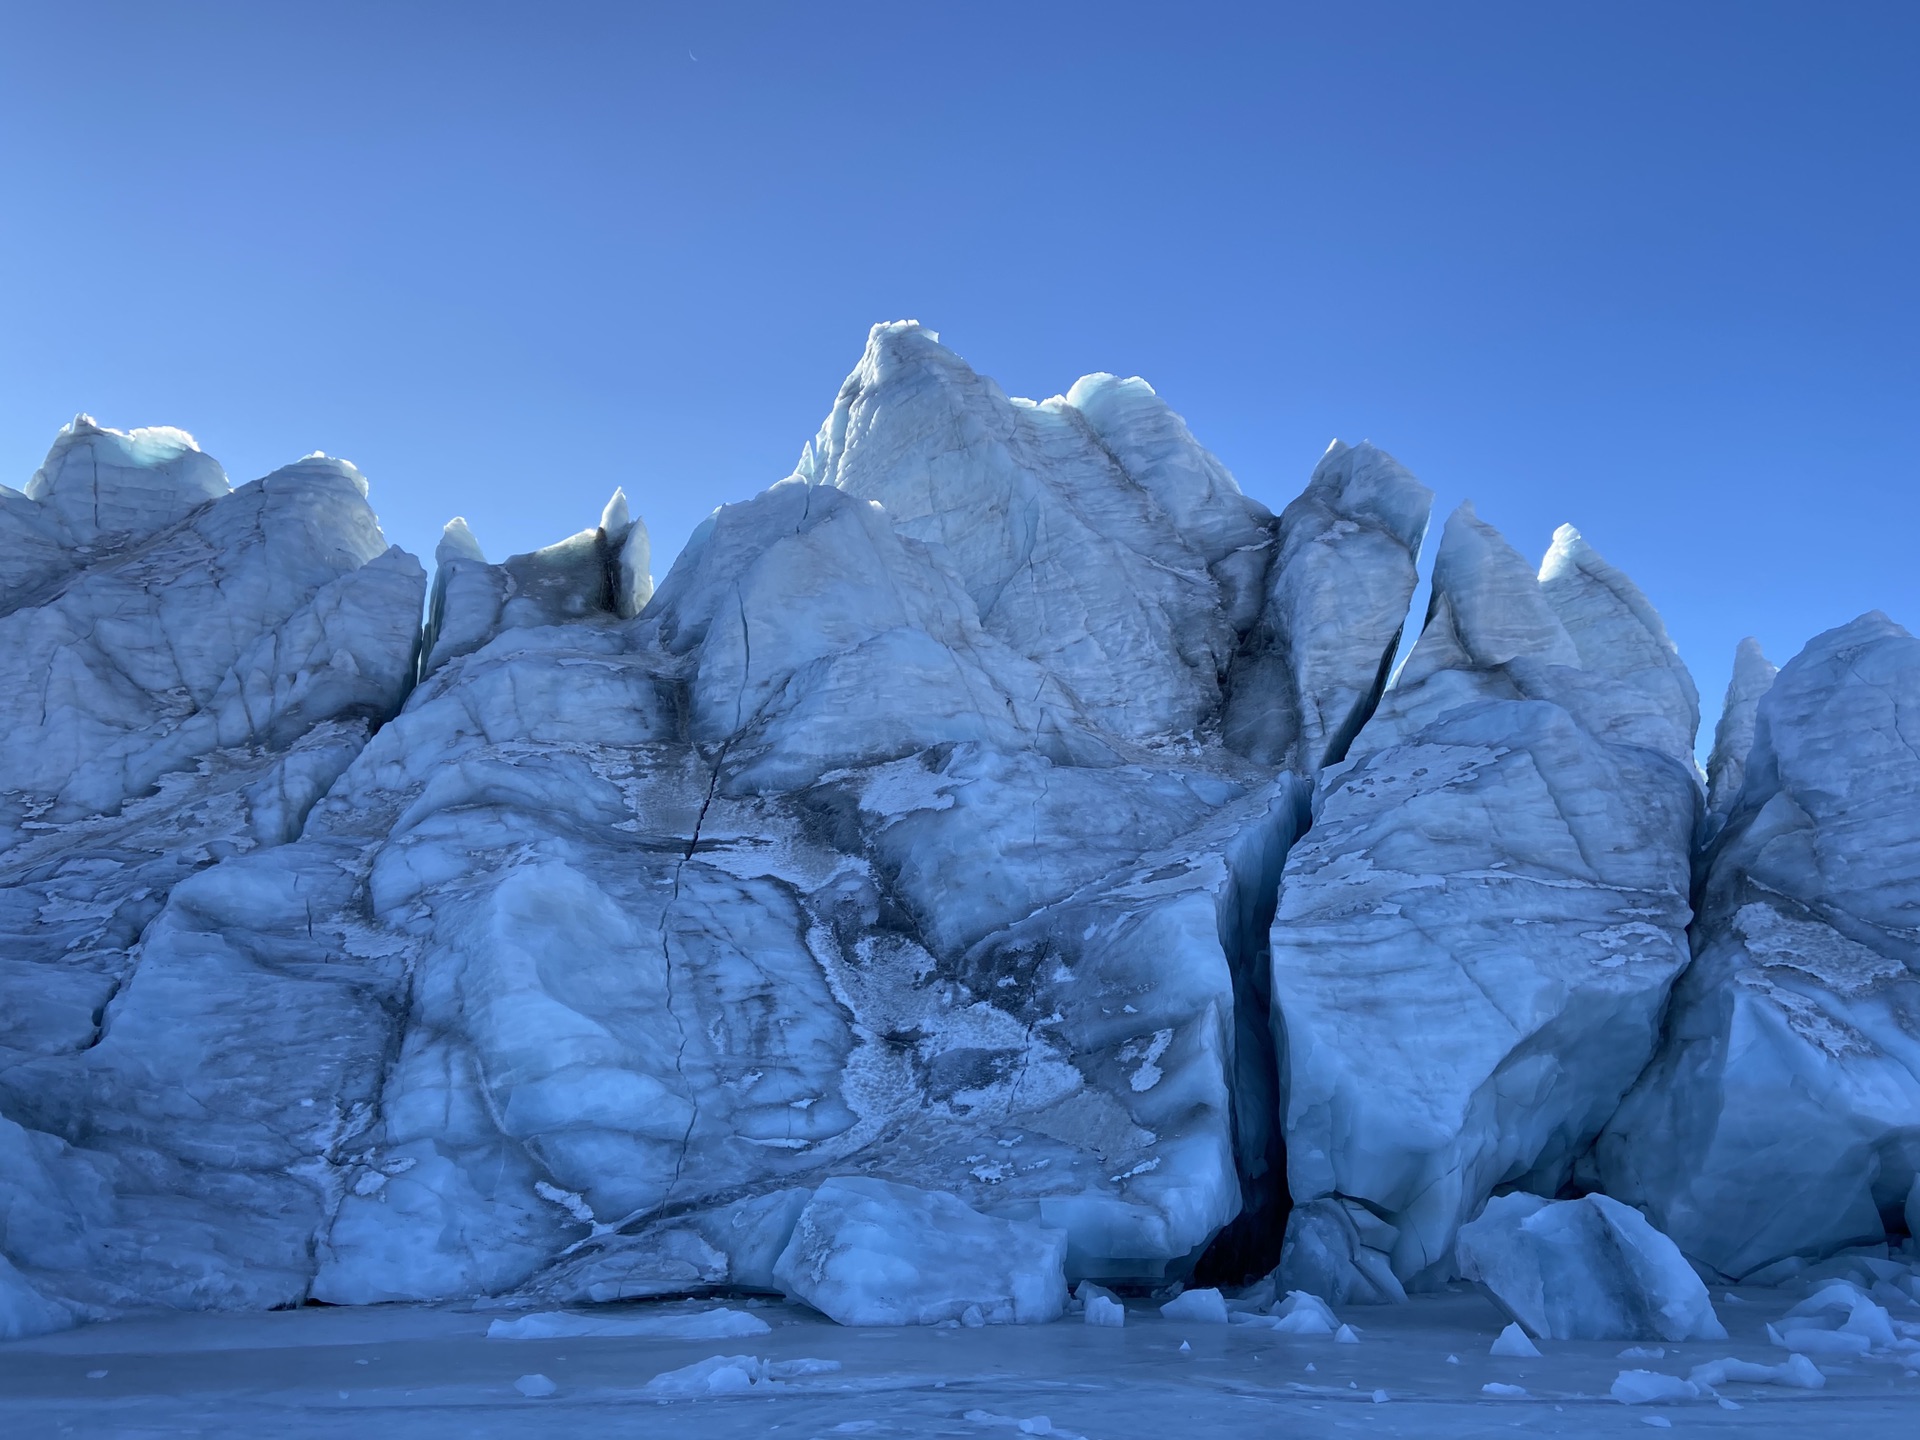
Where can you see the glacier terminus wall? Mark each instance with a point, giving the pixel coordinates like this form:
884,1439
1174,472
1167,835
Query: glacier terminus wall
1001,819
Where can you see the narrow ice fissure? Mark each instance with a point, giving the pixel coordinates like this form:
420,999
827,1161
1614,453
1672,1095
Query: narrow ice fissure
1248,1247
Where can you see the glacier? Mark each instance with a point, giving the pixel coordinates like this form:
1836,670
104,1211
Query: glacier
999,859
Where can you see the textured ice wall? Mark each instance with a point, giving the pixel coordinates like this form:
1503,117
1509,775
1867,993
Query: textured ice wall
893,835
1474,942
927,824
1782,1116
185,672
865,869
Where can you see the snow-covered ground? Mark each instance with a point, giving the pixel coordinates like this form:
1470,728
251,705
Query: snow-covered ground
418,1371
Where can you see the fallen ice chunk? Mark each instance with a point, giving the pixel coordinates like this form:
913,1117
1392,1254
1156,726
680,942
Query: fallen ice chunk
1087,1290
716,1375
1586,1269
1841,1305
1346,1335
1659,1422
1513,1342
1205,1307
1380,1397
721,1324
1827,1344
24,1310
1644,1352
1104,1312
1032,1425
1796,1371
732,1375
534,1387
1494,1387
1650,1387
1302,1320
1327,1252
1304,1314
870,1252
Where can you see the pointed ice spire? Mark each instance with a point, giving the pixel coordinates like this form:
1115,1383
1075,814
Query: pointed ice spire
1369,486
1594,613
1336,601
632,578
1487,606
1621,636
457,543
614,519
1733,737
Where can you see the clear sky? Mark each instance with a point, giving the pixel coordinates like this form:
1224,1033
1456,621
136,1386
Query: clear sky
1650,268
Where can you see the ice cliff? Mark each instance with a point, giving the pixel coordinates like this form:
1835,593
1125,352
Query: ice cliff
1002,819
1781,1118
1474,942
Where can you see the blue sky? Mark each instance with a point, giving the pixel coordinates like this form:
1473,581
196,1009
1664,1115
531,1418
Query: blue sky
1649,268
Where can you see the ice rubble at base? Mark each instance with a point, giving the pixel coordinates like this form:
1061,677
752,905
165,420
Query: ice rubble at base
1513,1343
733,1375
1205,1306
1339,1249
1796,1372
866,1252
1586,1269
725,936
1651,1387
1297,1313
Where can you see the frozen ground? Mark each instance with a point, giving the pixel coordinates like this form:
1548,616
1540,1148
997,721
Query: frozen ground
418,1371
